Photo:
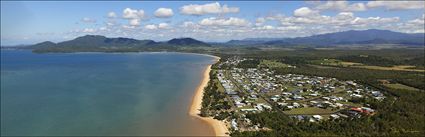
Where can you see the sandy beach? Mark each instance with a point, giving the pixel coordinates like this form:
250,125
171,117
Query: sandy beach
219,127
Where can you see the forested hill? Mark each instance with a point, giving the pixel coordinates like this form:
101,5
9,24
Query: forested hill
371,36
102,43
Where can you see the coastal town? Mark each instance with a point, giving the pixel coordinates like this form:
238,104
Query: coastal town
248,90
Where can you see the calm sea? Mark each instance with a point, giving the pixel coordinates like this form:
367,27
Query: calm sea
100,93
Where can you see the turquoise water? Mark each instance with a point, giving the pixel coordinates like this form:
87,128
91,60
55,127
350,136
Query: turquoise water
100,93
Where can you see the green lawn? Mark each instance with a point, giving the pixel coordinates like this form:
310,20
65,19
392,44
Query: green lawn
334,62
308,111
350,103
400,86
273,64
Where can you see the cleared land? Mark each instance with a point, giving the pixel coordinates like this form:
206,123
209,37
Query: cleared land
309,111
335,62
398,68
273,64
400,86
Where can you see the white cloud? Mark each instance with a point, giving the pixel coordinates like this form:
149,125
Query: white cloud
111,23
304,12
103,28
88,20
163,13
341,6
412,26
266,27
129,13
127,27
344,15
288,28
304,21
191,25
163,26
260,21
151,27
210,8
418,21
134,17
397,5
112,15
134,22
373,21
232,21
89,30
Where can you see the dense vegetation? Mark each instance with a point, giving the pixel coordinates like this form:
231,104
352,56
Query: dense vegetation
400,114
369,60
213,100
415,79
252,63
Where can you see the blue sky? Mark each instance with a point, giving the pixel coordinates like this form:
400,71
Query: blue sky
31,22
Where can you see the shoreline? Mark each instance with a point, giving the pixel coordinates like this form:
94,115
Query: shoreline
219,127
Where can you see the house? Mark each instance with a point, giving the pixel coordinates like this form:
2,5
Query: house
239,104
376,94
253,96
299,117
259,107
339,104
356,95
314,94
274,99
312,120
234,124
379,98
267,107
297,97
286,94
248,110
317,117
282,104
296,105
326,98
313,102
334,116
367,110
357,91
342,115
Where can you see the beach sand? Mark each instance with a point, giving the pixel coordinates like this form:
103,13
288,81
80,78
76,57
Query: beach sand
219,127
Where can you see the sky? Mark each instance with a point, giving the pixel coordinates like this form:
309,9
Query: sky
29,22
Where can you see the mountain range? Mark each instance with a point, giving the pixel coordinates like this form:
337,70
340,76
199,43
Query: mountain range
371,36
102,43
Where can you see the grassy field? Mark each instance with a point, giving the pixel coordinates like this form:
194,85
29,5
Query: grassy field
334,62
273,64
398,68
309,111
400,86
347,64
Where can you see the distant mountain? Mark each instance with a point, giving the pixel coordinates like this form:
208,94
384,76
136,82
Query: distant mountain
371,36
102,43
186,42
43,44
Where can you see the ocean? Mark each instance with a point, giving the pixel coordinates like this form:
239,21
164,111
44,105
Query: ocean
98,94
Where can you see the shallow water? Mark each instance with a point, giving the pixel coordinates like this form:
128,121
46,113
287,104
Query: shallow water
100,93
